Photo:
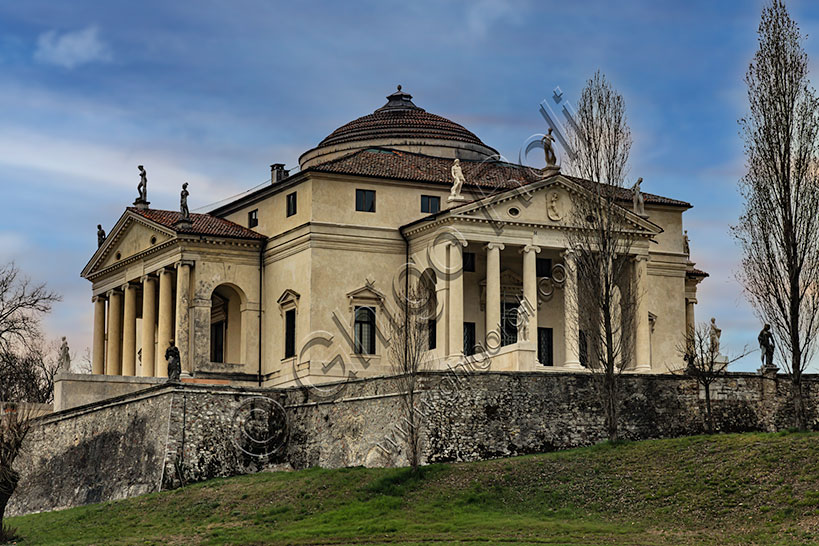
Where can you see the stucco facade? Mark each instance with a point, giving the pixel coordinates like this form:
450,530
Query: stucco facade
265,290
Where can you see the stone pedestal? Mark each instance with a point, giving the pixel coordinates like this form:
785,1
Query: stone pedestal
141,204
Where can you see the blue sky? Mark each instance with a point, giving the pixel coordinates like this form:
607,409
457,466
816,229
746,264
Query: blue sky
212,93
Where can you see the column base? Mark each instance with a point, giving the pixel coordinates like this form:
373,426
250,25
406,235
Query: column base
573,365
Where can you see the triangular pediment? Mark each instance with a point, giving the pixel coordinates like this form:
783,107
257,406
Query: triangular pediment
365,294
288,296
131,236
547,202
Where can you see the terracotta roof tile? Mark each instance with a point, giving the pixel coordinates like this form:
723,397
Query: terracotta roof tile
694,272
489,175
202,224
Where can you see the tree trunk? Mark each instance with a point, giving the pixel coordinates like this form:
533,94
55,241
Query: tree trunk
798,403
8,483
610,407
709,421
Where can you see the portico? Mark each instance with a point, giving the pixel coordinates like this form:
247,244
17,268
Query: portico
153,285
506,284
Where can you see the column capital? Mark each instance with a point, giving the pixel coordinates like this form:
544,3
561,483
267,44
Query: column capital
641,257
567,253
493,246
99,297
456,243
145,278
163,270
128,286
181,263
113,291
530,248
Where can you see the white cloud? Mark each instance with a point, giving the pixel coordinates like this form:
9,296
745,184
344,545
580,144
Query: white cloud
71,49
484,14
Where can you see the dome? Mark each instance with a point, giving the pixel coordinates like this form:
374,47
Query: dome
401,125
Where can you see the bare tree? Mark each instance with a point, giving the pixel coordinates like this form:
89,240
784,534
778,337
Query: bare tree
25,375
603,244
28,374
15,423
704,363
22,303
779,229
408,352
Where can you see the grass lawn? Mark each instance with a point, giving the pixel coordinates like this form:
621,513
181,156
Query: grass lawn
723,489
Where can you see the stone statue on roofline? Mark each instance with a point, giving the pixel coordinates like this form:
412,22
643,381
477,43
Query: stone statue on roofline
183,202
637,198
457,182
184,221
100,235
548,142
142,188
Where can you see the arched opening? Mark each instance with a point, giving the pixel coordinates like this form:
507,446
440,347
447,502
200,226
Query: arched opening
226,326
428,303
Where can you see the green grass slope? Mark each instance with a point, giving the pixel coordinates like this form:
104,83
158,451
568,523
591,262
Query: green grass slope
725,489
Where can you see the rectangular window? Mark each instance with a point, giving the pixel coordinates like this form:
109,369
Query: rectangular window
430,204
253,218
469,338
509,323
365,330
365,200
291,204
432,333
469,262
545,346
544,267
289,333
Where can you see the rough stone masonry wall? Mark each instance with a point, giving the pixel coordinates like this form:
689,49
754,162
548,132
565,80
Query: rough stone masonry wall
168,435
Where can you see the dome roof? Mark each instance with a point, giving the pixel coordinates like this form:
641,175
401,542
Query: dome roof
402,125
400,118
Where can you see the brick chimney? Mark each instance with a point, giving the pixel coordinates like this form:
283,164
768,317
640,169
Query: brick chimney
278,172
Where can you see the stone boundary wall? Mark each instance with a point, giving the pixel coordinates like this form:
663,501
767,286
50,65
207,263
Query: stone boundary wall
169,435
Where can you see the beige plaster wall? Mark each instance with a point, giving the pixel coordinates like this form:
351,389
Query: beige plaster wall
273,219
396,204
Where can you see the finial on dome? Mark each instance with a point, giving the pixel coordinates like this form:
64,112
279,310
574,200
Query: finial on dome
399,100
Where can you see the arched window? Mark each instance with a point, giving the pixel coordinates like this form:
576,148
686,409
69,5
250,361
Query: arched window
365,330
226,325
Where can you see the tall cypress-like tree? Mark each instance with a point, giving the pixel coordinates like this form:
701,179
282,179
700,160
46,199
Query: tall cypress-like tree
779,228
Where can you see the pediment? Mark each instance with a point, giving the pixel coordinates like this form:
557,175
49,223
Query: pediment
288,296
132,235
547,203
367,294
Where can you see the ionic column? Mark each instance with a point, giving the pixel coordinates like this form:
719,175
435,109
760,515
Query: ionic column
439,262
530,253
148,326
642,347
690,324
571,318
183,303
493,295
165,333
129,331
113,364
456,298
98,355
